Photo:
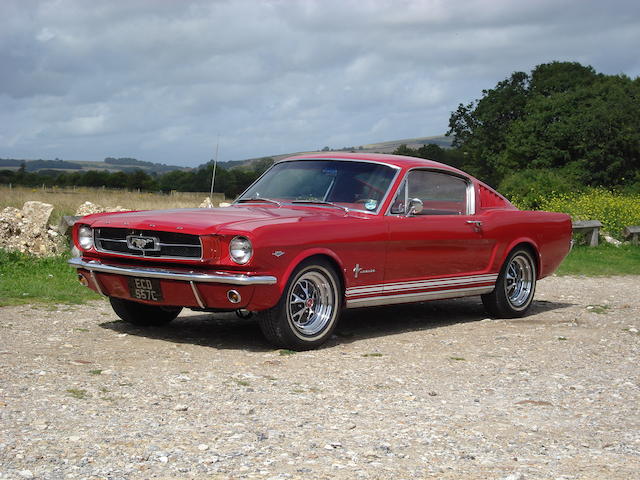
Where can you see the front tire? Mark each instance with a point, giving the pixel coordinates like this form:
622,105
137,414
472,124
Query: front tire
515,287
143,314
308,310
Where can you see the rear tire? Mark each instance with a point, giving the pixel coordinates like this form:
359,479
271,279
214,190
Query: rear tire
308,310
143,314
515,287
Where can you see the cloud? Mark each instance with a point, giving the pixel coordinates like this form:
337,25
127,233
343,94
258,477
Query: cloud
159,80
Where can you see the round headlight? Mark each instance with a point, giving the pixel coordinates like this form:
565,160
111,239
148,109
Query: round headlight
240,250
85,237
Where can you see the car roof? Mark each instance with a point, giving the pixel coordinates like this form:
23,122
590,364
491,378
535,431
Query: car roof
394,160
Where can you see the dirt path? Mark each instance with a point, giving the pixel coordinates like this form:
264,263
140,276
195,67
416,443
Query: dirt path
431,390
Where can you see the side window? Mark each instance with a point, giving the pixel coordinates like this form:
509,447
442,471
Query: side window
440,193
399,204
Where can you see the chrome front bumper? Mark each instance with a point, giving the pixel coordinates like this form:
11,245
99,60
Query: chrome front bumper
185,276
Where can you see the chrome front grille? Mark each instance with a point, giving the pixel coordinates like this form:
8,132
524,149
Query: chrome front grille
164,245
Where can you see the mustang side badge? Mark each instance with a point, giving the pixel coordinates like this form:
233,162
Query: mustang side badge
357,270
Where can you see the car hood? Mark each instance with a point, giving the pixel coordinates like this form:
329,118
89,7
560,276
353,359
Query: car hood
204,221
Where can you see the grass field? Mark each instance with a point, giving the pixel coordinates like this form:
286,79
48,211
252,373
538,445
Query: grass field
67,200
26,279
603,260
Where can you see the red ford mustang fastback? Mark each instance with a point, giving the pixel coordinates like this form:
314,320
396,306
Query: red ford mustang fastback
319,233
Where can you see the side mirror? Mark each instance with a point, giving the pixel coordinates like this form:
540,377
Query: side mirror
415,207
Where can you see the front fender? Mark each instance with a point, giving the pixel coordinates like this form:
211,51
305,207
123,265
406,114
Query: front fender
305,254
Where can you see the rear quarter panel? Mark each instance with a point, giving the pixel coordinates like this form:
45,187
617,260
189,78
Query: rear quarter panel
548,232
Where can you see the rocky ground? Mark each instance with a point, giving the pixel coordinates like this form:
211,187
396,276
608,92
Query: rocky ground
432,390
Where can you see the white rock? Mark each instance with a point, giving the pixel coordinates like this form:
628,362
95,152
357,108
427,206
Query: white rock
513,476
611,240
87,208
27,230
206,203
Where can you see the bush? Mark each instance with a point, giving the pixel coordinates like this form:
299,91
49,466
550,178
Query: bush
530,189
615,210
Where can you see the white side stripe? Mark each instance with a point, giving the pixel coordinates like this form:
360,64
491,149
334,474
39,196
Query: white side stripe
418,285
416,297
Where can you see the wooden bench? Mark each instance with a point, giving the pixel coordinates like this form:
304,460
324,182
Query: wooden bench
632,233
591,229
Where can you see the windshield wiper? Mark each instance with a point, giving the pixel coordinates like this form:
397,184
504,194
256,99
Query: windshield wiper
322,202
259,199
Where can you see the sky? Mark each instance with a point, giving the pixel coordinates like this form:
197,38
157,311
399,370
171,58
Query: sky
162,80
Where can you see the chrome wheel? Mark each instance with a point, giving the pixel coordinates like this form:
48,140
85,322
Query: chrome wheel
519,281
308,310
515,286
311,302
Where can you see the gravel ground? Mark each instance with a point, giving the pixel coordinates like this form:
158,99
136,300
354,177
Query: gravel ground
432,390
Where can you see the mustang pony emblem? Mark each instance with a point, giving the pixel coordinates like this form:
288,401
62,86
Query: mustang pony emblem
143,243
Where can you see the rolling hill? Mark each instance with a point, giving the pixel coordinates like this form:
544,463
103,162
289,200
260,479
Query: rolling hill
130,164
109,164
381,147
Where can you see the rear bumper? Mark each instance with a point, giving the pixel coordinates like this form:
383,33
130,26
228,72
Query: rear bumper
146,272
184,288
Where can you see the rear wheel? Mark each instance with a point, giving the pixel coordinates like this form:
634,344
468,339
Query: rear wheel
308,310
515,287
143,314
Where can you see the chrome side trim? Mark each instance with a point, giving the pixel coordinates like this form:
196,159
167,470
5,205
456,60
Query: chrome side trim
420,284
471,197
417,297
196,294
185,276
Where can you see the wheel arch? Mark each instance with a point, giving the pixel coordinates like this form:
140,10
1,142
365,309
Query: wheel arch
321,254
529,245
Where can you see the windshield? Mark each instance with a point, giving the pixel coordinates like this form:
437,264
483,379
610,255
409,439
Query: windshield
351,184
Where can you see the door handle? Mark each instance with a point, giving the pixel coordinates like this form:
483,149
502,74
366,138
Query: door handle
477,225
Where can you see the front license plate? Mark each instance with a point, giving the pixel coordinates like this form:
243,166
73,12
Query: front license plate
145,289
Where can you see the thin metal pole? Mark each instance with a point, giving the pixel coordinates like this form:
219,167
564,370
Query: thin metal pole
213,176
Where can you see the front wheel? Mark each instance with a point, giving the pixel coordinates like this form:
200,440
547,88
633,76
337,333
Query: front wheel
515,287
143,314
308,310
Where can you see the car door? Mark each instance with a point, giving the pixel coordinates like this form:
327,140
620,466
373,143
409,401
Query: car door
445,239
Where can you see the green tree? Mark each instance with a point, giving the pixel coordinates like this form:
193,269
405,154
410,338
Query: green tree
481,128
404,150
562,115
431,151
138,179
593,129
